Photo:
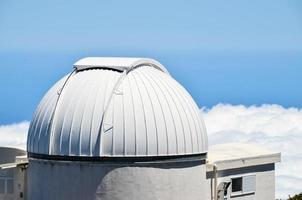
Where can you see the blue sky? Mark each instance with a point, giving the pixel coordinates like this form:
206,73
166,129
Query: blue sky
237,52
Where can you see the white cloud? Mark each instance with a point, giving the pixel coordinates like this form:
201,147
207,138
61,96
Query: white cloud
14,135
271,126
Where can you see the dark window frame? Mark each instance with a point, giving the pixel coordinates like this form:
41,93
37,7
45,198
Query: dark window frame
237,184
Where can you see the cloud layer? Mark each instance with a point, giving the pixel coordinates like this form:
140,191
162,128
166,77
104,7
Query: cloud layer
271,126
14,135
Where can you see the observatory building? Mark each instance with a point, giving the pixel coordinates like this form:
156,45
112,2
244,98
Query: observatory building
117,128
124,129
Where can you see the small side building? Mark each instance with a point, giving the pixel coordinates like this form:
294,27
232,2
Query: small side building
12,173
241,172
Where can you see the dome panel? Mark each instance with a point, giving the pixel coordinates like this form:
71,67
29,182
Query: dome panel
38,134
100,111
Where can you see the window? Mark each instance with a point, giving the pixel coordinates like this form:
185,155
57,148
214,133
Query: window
249,184
244,185
2,186
10,186
6,185
237,184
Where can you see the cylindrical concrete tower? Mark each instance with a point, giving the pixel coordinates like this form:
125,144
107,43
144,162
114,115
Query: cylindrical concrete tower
117,129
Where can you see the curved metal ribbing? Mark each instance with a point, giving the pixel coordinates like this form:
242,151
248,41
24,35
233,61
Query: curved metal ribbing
49,127
117,84
152,113
169,95
193,130
144,114
99,112
187,136
44,110
162,113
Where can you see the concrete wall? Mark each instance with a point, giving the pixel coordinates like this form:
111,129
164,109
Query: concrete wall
61,180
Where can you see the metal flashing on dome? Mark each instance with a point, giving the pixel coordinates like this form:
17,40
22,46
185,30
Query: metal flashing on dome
117,63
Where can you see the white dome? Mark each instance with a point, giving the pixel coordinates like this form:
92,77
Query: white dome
117,107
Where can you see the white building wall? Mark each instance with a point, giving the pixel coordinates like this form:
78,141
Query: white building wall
61,180
265,186
11,179
16,177
5,176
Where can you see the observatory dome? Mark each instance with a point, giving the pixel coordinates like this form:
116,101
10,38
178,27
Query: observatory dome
117,107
